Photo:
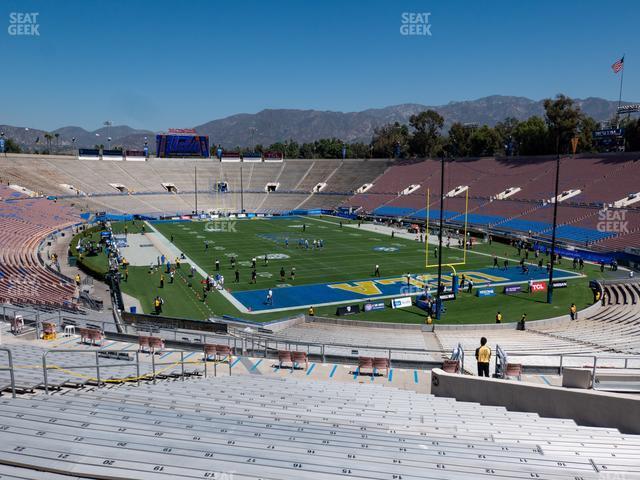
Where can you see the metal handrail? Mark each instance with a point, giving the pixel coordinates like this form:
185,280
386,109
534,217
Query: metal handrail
10,369
501,360
153,374
286,341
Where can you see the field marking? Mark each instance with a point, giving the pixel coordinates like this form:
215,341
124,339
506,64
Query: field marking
175,252
323,268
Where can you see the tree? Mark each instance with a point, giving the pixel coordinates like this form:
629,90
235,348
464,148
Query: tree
563,118
532,136
387,137
292,149
426,132
484,141
358,150
505,131
11,146
585,134
48,137
631,134
459,143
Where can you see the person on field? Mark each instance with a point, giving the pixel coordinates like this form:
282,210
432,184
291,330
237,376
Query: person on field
483,356
237,276
282,274
498,317
270,297
573,312
376,272
522,323
157,305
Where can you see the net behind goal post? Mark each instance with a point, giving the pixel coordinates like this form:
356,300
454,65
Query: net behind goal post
455,254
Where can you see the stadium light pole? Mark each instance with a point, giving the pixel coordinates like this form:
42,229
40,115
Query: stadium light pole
241,187
438,299
195,185
108,124
555,221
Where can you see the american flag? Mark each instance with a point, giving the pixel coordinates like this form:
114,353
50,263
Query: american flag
616,67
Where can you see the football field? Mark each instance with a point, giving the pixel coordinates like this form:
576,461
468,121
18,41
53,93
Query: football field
342,270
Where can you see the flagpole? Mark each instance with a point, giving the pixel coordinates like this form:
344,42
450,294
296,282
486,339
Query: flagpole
621,79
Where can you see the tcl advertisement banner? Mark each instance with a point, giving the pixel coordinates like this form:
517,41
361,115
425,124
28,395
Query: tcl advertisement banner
401,302
539,287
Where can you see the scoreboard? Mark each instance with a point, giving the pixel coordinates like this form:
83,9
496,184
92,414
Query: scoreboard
172,145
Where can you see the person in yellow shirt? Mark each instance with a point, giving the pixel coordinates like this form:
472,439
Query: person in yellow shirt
78,279
483,356
498,317
312,312
573,311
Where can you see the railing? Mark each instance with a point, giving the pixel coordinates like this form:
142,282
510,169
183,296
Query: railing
624,362
501,361
599,358
10,369
458,355
100,381
265,344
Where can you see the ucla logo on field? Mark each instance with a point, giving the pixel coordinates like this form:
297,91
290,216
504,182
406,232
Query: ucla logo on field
277,256
385,249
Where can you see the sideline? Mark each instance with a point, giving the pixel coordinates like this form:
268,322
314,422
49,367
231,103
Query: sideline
164,245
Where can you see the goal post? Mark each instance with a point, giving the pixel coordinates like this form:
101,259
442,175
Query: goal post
452,256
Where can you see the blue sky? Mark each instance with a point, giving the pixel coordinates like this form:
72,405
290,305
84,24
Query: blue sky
160,64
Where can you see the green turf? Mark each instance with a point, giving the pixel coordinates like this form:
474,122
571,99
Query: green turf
349,255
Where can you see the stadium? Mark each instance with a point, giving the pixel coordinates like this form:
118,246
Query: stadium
434,299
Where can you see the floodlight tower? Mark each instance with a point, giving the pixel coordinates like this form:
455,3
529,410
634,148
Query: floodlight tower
108,124
438,291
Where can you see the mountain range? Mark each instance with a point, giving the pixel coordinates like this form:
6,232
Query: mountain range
273,125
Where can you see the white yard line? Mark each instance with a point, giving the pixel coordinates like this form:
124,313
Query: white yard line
167,248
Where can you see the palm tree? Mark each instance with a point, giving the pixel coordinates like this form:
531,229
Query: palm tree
48,137
57,135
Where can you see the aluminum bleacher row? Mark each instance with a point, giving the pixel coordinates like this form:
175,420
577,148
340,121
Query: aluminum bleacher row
93,183
615,328
270,428
602,180
24,223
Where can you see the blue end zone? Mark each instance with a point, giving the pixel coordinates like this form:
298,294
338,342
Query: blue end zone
287,298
